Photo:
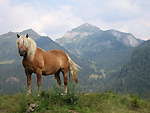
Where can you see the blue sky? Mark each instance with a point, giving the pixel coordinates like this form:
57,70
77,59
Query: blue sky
54,18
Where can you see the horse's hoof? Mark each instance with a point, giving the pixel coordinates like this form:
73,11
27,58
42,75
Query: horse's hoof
28,94
38,95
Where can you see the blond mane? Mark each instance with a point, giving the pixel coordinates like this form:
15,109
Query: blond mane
31,49
29,44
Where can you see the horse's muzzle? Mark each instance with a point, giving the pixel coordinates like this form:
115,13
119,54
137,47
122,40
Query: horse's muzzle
22,52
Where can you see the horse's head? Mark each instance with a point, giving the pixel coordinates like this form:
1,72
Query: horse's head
23,44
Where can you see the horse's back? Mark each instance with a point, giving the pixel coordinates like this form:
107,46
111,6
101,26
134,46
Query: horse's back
58,56
57,53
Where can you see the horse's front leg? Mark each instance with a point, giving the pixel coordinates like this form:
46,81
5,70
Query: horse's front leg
28,82
39,74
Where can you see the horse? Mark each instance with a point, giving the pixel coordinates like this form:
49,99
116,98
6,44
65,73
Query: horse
41,62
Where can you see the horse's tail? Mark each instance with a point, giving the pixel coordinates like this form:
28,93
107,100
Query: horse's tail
73,70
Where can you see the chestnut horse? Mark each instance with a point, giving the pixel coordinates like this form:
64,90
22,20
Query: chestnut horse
36,60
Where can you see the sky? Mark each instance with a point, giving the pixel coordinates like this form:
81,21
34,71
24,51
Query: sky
54,18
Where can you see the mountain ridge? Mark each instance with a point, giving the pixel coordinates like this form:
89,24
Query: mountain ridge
75,36
110,49
100,54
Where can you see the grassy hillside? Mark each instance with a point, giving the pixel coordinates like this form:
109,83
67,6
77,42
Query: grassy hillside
53,102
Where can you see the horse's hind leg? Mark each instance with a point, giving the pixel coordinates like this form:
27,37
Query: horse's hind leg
57,77
65,74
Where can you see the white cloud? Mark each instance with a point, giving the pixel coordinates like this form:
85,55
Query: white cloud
17,17
124,15
45,21
138,27
3,2
55,20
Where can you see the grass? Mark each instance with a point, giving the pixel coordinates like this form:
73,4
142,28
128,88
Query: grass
53,101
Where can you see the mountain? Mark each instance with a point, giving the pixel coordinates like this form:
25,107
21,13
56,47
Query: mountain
107,50
8,46
77,34
103,56
12,76
87,36
134,77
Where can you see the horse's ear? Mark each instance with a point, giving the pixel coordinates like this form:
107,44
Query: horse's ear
18,35
27,35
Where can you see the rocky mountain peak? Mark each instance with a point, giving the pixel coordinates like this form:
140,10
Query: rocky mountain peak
88,28
127,38
82,31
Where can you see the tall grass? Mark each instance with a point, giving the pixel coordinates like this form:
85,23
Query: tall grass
52,101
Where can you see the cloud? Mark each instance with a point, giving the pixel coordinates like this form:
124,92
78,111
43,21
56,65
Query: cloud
45,21
16,17
124,15
3,2
56,18
56,22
